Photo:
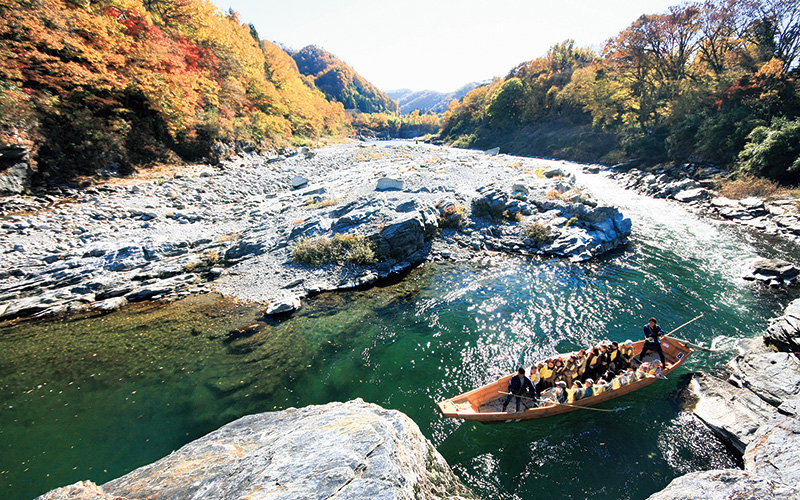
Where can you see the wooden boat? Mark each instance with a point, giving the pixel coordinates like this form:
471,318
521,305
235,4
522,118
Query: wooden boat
484,404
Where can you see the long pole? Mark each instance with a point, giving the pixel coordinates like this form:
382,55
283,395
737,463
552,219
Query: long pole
688,322
690,344
562,404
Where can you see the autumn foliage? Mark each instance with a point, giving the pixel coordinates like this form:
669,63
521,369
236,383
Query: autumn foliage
710,82
120,83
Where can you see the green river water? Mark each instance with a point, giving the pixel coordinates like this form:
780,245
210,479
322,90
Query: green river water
95,397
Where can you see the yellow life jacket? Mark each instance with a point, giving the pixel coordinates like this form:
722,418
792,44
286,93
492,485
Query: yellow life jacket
535,377
614,354
582,365
546,373
616,383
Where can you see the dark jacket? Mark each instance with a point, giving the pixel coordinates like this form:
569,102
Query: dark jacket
652,335
519,387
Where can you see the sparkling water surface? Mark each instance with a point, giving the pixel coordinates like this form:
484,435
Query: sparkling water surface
95,397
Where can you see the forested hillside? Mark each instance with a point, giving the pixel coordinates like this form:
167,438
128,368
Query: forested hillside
114,84
340,82
712,82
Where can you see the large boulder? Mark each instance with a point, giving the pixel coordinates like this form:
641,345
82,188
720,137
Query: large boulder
784,333
352,450
15,172
770,270
773,376
726,484
733,413
406,236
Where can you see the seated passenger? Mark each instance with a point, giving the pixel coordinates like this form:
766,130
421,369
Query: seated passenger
626,354
641,372
570,372
600,387
576,392
592,362
546,374
558,371
655,370
561,392
581,363
588,390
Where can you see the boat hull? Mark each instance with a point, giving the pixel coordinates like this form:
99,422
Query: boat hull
467,406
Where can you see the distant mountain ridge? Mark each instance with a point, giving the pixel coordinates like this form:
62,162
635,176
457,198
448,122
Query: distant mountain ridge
427,100
340,82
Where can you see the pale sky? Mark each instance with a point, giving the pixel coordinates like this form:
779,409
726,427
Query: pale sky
438,44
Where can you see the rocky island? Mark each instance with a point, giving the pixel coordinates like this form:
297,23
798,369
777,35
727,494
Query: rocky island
235,227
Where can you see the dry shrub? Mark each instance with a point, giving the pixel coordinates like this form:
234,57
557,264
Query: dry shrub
539,233
554,194
746,185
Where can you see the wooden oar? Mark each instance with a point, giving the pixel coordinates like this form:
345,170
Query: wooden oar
562,404
690,344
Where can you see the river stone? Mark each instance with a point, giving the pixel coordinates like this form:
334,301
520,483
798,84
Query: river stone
110,304
352,450
286,304
784,332
690,195
769,269
726,484
389,184
493,151
298,181
733,413
773,376
774,452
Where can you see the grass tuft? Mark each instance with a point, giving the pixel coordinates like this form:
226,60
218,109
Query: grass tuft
351,248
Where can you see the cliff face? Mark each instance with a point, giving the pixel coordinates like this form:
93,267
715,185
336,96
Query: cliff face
352,450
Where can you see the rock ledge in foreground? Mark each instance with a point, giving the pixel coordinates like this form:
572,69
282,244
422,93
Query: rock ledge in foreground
352,450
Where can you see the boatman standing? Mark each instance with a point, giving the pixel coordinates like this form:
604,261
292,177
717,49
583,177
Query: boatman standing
652,340
518,386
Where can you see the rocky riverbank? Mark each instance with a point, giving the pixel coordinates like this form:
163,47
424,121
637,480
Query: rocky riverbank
233,227
358,450
755,407
698,187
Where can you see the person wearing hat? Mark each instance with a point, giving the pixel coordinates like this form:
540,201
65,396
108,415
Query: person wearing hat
518,386
626,354
652,340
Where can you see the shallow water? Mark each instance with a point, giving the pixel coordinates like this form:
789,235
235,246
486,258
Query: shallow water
95,397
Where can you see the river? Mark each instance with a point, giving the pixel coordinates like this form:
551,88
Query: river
94,397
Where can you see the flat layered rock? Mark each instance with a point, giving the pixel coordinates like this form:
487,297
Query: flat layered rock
733,413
